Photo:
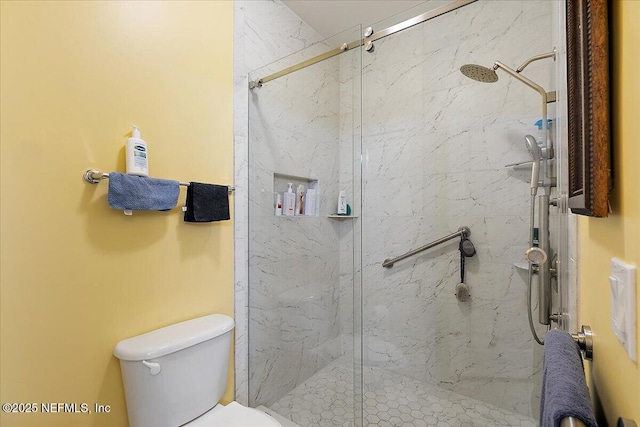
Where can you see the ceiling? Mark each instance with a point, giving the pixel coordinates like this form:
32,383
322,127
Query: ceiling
329,17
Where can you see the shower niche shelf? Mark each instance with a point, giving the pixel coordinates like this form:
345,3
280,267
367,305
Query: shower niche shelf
336,216
281,185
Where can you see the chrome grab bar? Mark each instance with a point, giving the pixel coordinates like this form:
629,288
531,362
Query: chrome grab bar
463,231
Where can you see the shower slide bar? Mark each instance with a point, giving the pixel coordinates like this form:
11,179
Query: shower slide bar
369,38
463,232
93,176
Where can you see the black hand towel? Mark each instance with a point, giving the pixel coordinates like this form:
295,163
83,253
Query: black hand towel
207,203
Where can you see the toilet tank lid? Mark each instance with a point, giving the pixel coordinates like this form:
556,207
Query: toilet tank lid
173,338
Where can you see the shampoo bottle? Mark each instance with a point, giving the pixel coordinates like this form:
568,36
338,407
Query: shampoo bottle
137,160
310,202
278,211
289,206
300,200
342,203
540,133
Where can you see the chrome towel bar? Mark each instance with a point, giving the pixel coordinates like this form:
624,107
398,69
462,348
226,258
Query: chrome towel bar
584,338
571,422
574,422
463,231
93,176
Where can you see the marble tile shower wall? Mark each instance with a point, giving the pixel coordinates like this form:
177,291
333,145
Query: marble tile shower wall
294,265
264,31
434,149
350,178
435,146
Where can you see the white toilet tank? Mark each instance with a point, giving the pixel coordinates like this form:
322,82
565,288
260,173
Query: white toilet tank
175,374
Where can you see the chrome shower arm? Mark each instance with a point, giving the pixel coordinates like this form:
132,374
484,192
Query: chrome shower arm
543,93
524,65
524,80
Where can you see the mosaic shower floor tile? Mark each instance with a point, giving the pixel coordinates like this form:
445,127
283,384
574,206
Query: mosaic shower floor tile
390,400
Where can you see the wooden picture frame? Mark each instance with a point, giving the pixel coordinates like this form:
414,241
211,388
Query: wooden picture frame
589,157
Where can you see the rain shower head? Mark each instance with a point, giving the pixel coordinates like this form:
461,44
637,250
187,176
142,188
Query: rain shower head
489,75
479,73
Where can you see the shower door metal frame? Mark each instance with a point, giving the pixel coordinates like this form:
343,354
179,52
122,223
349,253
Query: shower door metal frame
370,38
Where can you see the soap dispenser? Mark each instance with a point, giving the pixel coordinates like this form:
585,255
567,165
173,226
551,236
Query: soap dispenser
137,155
289,206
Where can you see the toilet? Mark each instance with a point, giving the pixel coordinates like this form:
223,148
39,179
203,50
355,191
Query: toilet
175,376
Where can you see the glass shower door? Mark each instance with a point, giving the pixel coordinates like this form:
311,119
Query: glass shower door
304,311
420,151
435,146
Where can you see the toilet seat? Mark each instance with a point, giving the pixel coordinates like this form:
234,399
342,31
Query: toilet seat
234,415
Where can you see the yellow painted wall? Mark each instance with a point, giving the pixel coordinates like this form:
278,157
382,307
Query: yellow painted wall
77,276
615,378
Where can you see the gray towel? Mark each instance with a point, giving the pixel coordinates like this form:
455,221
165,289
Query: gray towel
139,193
564,389
207,203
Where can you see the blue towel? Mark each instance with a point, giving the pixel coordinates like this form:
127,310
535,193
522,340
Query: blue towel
564,389
139,193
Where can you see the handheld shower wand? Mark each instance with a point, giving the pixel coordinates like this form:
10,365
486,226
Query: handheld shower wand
536,155
537,256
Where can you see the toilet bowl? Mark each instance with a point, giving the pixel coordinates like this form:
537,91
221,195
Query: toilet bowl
234,415
176,376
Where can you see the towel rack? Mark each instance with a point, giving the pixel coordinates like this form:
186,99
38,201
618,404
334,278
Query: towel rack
571,422
584,338
93,176
462,231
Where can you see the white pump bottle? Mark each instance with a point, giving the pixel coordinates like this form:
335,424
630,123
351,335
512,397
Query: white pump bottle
289,206
137,155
